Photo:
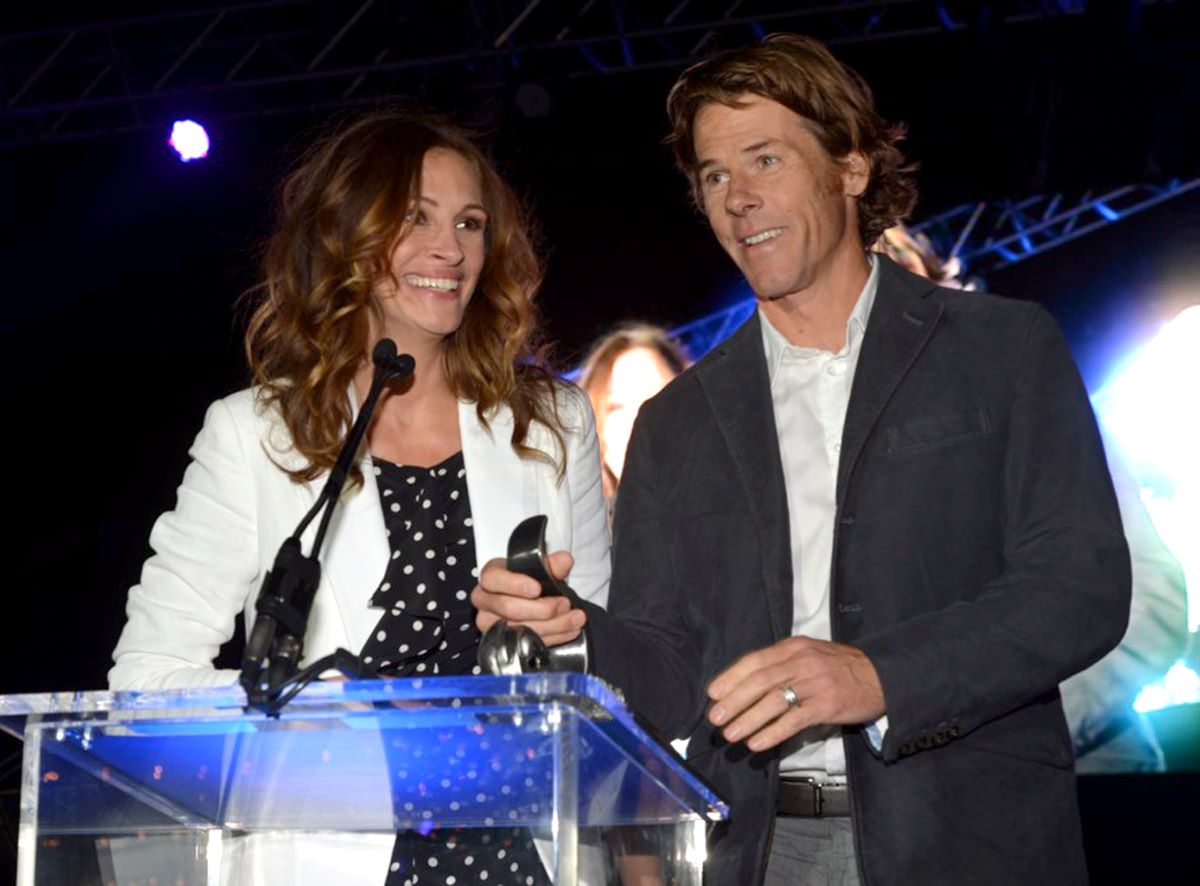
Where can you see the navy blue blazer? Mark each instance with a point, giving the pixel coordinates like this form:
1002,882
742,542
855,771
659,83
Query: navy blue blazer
978,561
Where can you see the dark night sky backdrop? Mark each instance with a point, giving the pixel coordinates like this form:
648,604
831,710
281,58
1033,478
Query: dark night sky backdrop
122,266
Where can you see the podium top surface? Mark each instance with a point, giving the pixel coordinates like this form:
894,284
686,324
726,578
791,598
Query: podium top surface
433,748
317,697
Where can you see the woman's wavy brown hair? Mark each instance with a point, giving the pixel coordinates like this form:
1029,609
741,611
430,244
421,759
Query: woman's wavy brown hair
801,74
341,213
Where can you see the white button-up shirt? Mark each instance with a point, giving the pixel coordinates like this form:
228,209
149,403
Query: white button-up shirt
810,390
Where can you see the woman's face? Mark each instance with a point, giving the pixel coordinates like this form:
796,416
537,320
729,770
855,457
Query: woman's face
437,263
637,375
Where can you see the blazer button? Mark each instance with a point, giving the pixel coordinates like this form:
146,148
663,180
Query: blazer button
953,732
939,739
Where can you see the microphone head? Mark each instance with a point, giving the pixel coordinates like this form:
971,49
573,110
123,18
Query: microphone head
393,366
390,365
385,351
401,366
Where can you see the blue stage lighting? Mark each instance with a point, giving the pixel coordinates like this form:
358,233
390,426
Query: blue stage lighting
1181,685
1149,409
190,140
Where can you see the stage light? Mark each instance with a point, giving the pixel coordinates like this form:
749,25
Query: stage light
190,140
1181,685
1149,409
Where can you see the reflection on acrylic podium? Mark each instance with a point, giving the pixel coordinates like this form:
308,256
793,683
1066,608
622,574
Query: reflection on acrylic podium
187,787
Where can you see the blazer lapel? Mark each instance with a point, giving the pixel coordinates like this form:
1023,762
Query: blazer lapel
738,389
901,322
499,482
356,555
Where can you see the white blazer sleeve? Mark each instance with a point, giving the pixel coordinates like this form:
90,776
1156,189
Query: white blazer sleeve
589,521
205,565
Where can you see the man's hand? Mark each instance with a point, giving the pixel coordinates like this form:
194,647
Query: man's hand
834,684
518,598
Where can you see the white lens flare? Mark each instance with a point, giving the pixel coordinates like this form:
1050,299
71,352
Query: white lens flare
190,140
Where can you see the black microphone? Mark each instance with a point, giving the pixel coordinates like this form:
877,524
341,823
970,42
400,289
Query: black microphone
385,358
275,646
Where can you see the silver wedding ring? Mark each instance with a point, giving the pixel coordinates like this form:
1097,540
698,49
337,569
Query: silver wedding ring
789,696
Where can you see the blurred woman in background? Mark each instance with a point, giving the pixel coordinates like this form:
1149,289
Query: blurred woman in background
622,370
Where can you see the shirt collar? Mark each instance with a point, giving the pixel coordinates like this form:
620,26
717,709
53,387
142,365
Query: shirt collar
778,348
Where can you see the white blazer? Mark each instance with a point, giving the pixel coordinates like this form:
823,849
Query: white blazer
236,506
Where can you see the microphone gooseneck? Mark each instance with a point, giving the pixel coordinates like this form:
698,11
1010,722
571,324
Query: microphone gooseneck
275,646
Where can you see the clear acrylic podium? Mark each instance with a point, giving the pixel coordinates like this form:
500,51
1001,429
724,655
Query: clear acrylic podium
187,787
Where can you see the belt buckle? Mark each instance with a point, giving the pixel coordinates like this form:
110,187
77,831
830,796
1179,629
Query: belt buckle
818,801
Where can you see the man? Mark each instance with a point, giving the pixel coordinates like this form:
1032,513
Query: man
861,542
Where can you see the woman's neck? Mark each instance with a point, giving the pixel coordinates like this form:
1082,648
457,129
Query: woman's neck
416,421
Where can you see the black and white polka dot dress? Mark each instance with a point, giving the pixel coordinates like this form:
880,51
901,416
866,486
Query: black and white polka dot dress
428,624
428,628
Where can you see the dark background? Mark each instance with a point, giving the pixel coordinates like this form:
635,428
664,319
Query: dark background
122,266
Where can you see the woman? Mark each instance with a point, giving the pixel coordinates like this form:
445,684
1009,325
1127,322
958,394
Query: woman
396,226
623,369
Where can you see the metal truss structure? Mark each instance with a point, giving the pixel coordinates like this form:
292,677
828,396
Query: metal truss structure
988,236
269,56
984,237
258,57
702,335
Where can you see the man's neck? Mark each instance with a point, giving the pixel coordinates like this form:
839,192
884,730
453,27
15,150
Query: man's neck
816,316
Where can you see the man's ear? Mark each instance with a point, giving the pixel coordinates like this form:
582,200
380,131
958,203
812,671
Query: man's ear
856,173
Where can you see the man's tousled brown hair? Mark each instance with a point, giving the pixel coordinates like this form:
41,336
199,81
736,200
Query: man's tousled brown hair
341,213
803,76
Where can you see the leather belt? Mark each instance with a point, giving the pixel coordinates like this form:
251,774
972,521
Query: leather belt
808,798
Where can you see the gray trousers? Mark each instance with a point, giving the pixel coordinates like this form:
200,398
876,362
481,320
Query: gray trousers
812,850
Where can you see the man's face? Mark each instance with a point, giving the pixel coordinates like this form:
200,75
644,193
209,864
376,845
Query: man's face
781,207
